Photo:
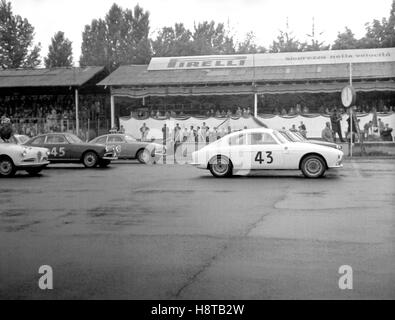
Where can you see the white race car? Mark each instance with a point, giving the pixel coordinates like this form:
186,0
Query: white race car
15,157
265,149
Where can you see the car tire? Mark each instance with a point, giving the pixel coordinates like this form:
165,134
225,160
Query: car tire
313,167
104,163
221,167
34,171
7,167
143,156
90,159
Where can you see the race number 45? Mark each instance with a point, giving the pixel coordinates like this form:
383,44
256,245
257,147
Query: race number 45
259,158
58,152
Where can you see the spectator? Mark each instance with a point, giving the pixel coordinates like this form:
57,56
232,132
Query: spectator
204,131
305,110
387,133
293,128
352,129
381,126
144,132
283,112
336,125
326,133
302,129
185,135
367,129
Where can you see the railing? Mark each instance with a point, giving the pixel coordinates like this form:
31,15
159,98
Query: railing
88,129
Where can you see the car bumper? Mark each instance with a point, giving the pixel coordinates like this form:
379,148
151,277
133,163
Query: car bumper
199,165
32,164
110,156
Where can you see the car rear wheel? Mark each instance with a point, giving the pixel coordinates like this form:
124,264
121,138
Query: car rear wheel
143,156
7,167
313,167
220,167
90,159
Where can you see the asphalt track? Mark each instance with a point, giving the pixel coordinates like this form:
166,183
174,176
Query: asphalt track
175,232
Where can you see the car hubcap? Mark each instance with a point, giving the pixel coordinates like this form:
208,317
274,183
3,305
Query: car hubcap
5,167
313,166
90,159
220,167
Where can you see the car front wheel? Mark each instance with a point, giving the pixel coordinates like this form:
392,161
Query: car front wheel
7,167
313,167
220,167
90,159
143,156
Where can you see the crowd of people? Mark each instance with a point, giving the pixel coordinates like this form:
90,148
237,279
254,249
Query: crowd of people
333,128
32,115
238,111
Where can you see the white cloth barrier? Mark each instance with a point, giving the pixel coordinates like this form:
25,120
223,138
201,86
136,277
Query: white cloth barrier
314,124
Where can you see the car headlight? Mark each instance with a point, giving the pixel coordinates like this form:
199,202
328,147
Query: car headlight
339,147
108,148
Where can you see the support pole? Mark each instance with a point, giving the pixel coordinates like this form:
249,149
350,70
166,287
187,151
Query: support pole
77,120
112,111
351,114
255,105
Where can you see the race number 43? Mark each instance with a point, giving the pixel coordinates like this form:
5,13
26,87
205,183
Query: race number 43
259,157
58,152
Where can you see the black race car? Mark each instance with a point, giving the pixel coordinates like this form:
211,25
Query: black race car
68,148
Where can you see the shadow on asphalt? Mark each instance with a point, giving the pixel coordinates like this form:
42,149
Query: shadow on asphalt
287,176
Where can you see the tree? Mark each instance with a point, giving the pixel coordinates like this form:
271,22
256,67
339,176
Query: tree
314,44
248,45
345,40
16,40
286,42
121,38
172,42
209,38
60,52
380,34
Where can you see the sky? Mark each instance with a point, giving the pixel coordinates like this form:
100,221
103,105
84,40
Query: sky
264,17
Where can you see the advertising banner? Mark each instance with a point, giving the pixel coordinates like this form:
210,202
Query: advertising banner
273,59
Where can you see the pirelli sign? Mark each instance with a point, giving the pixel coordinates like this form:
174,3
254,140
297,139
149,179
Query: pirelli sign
273,59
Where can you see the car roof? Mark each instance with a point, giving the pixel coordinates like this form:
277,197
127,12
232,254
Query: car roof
254,130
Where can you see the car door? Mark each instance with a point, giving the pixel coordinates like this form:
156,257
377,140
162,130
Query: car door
59,147
238,151
118,142
264,151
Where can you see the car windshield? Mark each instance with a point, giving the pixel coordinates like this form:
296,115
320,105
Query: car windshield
280,137
23,139
73,138
289,136
129,138
299,135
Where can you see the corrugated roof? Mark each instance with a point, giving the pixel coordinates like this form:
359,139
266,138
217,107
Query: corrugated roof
138,75
57,77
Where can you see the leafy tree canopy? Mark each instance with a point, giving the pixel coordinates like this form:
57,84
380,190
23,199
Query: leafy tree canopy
16,40
60,52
